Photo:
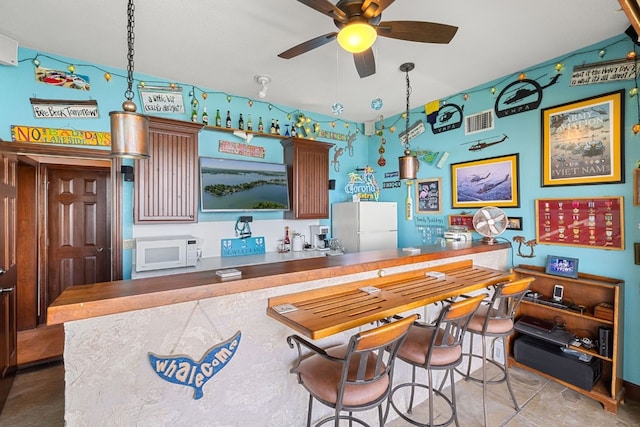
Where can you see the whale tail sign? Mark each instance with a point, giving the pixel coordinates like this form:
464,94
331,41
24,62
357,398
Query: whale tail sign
183,370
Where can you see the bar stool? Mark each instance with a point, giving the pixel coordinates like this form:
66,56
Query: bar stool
436,346
352,377
495,319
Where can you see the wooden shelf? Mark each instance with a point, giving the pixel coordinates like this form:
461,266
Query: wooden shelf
587,290
251,132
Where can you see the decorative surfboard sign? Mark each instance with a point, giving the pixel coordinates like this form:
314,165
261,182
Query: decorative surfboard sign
182,370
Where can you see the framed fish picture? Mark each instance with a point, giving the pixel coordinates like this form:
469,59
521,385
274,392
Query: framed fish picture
486,182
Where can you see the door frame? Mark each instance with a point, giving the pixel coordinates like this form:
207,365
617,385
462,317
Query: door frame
72,155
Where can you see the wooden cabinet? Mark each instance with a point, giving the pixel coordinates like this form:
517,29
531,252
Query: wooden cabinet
166,184
308,169
587,290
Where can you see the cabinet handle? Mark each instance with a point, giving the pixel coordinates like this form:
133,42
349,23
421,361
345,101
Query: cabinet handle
2,271
6,290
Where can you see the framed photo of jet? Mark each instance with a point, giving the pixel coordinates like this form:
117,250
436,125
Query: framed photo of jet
583,141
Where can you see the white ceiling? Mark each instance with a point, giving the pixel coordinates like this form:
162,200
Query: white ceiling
220,45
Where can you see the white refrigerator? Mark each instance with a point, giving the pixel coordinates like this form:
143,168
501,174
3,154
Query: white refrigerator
365,226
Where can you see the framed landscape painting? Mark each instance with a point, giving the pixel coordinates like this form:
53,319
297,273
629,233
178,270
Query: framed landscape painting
486,182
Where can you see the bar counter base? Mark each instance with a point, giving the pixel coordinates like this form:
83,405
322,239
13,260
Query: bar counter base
110,381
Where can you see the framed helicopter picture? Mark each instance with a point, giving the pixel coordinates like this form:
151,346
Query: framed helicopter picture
583,141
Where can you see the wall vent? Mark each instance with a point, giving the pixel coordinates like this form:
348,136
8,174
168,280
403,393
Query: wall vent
478,122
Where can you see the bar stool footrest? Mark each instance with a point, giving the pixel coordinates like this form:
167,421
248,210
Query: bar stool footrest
436,393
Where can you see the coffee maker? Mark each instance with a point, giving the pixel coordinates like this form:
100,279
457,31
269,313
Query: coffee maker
319,237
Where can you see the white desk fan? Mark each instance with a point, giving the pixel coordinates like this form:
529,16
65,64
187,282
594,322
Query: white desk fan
490,222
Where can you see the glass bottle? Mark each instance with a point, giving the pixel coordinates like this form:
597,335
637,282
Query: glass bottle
260,125
293,130
205,116
218,119
273,126
277,127
241,122
286,131
228,125
194,114
249,123
287,241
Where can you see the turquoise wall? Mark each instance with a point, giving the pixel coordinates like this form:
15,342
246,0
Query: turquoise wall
524,132
17,85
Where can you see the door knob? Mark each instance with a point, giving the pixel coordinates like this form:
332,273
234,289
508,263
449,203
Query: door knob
6,290
100,249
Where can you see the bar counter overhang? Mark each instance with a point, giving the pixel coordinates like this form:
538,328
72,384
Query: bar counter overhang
110,329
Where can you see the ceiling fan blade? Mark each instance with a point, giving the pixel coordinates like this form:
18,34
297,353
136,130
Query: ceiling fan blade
365,63
373,8
417,31
308,45
327,8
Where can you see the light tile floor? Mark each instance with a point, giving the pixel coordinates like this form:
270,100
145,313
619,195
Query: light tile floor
37,400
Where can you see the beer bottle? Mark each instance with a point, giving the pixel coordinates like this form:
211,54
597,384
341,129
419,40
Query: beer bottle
241,122
205,116
260,125
273,127
218,119
194,114
228,119
293,130
249,123
278,127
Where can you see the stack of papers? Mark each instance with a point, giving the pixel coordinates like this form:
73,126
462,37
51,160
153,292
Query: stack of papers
229,272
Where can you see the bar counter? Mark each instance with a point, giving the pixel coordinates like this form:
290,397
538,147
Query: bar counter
114,331
87,301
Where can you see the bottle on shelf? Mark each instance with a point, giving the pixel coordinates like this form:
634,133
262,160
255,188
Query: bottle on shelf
273,126
277,127
260,125
205,116
218,119
293,130
249,123
241,122
228,125
194,114
287,241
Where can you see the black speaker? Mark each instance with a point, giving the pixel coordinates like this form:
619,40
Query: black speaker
605,341
332,184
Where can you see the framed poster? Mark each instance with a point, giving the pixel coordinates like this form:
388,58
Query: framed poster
583,141
429,196
485,182
588,222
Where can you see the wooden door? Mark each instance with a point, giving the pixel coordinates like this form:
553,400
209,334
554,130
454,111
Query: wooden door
78,229
8,274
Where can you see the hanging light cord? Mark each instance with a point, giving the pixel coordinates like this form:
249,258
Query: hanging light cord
130,39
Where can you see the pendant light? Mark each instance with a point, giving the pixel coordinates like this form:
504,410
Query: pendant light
408,164
129,130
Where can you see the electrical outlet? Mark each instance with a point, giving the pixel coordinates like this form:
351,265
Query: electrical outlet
128,244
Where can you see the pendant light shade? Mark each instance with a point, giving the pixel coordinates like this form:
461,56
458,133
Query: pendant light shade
129,135
129,131
408,164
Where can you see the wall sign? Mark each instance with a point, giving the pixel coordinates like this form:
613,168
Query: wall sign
59,136
162,102
182,370
62,79
64,109
240,149
521,96
449,117
414,130
604,72
244,246
363,184
429,196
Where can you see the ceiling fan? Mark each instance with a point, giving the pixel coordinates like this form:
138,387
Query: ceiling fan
359,23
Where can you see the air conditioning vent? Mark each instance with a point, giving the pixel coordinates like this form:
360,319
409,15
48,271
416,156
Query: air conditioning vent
478,122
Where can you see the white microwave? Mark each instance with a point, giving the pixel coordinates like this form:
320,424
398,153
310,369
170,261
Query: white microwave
156,253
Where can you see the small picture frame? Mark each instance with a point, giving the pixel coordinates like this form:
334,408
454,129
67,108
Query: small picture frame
562,266
514,223
429,196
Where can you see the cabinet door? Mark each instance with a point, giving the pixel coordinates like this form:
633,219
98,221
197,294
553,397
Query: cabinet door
166,183
308,163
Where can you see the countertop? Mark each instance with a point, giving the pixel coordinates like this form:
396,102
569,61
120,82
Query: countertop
100,299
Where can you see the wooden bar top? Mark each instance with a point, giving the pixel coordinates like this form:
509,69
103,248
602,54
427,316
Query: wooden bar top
100,299
327,311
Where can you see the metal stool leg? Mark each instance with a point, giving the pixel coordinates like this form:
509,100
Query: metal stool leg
484,379
507,376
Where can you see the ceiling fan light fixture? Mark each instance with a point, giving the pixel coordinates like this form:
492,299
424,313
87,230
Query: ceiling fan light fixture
263,81
357,36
